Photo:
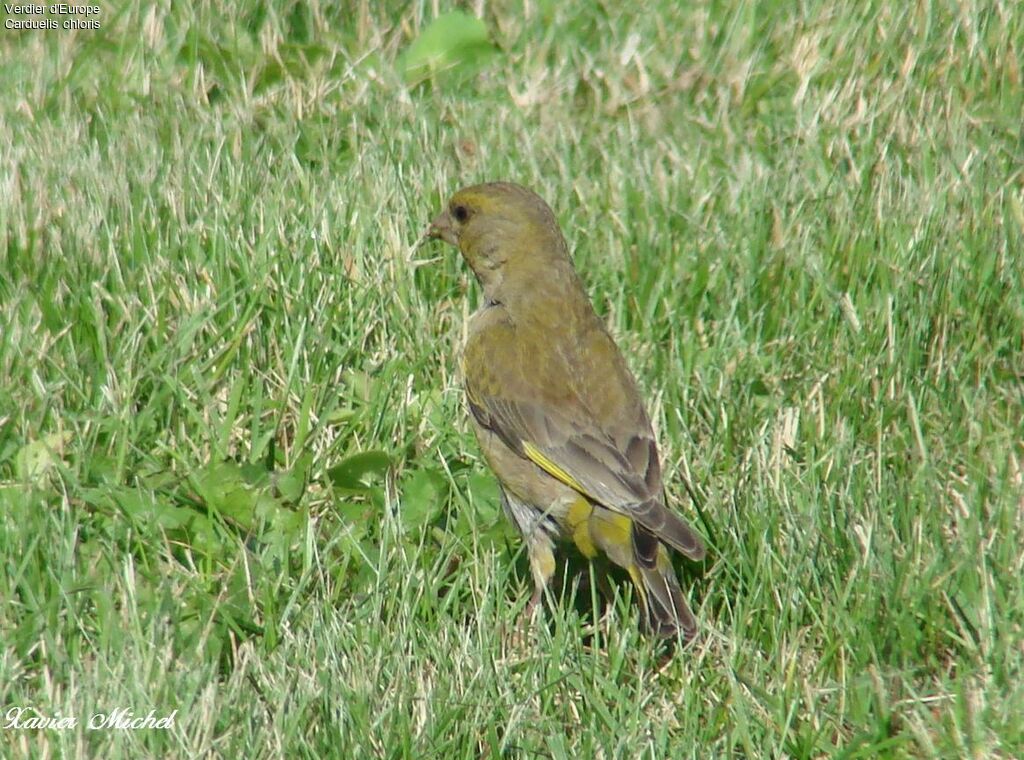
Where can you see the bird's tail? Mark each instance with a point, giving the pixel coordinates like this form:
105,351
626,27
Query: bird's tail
667,615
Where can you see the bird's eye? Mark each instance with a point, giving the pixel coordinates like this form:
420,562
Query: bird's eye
461,213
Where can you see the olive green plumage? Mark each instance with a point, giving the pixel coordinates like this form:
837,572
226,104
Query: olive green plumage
555,408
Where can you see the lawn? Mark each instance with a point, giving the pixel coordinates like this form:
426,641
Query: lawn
238,489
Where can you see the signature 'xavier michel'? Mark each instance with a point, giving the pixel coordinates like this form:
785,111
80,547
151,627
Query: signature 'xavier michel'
555,408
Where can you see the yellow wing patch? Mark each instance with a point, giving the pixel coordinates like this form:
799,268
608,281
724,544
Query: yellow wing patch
577,521
538,457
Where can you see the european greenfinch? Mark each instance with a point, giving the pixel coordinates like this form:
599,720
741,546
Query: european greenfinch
555,408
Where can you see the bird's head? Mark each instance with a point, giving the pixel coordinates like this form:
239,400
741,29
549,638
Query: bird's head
503,231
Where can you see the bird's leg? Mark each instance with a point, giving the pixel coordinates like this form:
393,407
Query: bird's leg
542,567
539,550
531,606
604,586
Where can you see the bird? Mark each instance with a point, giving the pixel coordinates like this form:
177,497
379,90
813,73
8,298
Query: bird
556,411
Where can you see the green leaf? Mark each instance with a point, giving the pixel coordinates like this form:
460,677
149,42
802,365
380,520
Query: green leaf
292,483
452,43
483,492
356,516
286,530
35,460
204,538
102,469
353,474
423,494
146,510
239,493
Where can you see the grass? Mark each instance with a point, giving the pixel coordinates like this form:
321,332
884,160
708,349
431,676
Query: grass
236,479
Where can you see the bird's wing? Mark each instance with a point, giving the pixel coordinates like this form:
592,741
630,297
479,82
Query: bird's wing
576,413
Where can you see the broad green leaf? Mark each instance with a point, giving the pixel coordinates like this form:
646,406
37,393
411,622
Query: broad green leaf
454,42
483,492
354,473
291,484
423,493
36,459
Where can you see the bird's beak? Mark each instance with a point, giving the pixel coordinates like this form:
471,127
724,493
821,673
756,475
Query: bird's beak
442,229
